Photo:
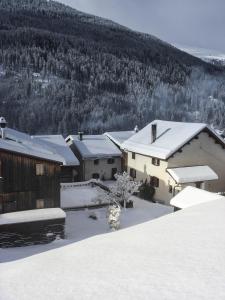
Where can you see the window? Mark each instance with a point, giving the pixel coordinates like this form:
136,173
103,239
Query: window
133,155
154,181
111,161
96,162
132,173
40,203
95,176
170,189
155,161
40,169
198,185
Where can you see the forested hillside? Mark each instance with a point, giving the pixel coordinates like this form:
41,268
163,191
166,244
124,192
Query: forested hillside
63,71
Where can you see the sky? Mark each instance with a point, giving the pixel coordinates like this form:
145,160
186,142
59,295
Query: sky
194,23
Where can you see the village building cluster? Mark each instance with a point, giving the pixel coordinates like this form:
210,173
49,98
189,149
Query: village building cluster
167,155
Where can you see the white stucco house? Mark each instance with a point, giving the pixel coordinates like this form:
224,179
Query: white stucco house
99,157
118,138
173,155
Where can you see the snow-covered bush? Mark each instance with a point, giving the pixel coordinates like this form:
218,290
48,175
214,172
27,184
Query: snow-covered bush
113,216
146,191
124,188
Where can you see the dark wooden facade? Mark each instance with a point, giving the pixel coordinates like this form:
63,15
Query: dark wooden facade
69,174
22,188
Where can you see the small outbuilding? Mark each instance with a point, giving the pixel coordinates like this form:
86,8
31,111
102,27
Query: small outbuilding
99,157
191,196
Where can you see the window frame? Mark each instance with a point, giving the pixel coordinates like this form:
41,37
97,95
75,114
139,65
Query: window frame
110,161
155,161
133,173
40,206
170,188
154,181
96,162
133,155
40,169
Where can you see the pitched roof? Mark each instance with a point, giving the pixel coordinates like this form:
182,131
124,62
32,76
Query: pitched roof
171,136
192,174
95,146
22,143
191,196
118,137
59,145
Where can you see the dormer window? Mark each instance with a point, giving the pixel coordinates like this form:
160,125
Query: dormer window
155,161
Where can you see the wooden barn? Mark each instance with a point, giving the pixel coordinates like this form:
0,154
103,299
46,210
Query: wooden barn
70,167
30,174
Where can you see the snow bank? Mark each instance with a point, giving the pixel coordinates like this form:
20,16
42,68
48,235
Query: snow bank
32,215
179,256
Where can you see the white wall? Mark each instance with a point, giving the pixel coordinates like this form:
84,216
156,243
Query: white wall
103,168
201,151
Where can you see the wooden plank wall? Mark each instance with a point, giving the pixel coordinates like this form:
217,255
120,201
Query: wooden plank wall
22,187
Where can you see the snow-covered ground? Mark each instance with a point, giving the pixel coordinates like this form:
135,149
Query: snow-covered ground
179,256
79,226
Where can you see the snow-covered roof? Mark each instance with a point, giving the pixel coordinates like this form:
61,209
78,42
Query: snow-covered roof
58,145
119,137
192,174
22,143
153,260
95,146
32,215
171,136
193,196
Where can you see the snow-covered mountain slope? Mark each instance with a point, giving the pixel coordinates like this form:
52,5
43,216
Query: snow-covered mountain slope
178,256
74,71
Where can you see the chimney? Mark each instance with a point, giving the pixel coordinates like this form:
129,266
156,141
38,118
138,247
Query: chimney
3,126
80,134
153,133
136,129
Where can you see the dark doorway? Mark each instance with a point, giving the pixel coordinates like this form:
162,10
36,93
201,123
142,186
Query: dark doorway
114,171
95,176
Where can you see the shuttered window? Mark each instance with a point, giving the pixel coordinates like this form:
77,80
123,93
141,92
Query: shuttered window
40,169
40,203
154,181
132,173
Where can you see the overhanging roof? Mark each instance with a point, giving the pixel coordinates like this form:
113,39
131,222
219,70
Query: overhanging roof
191,196
192,174
95,146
